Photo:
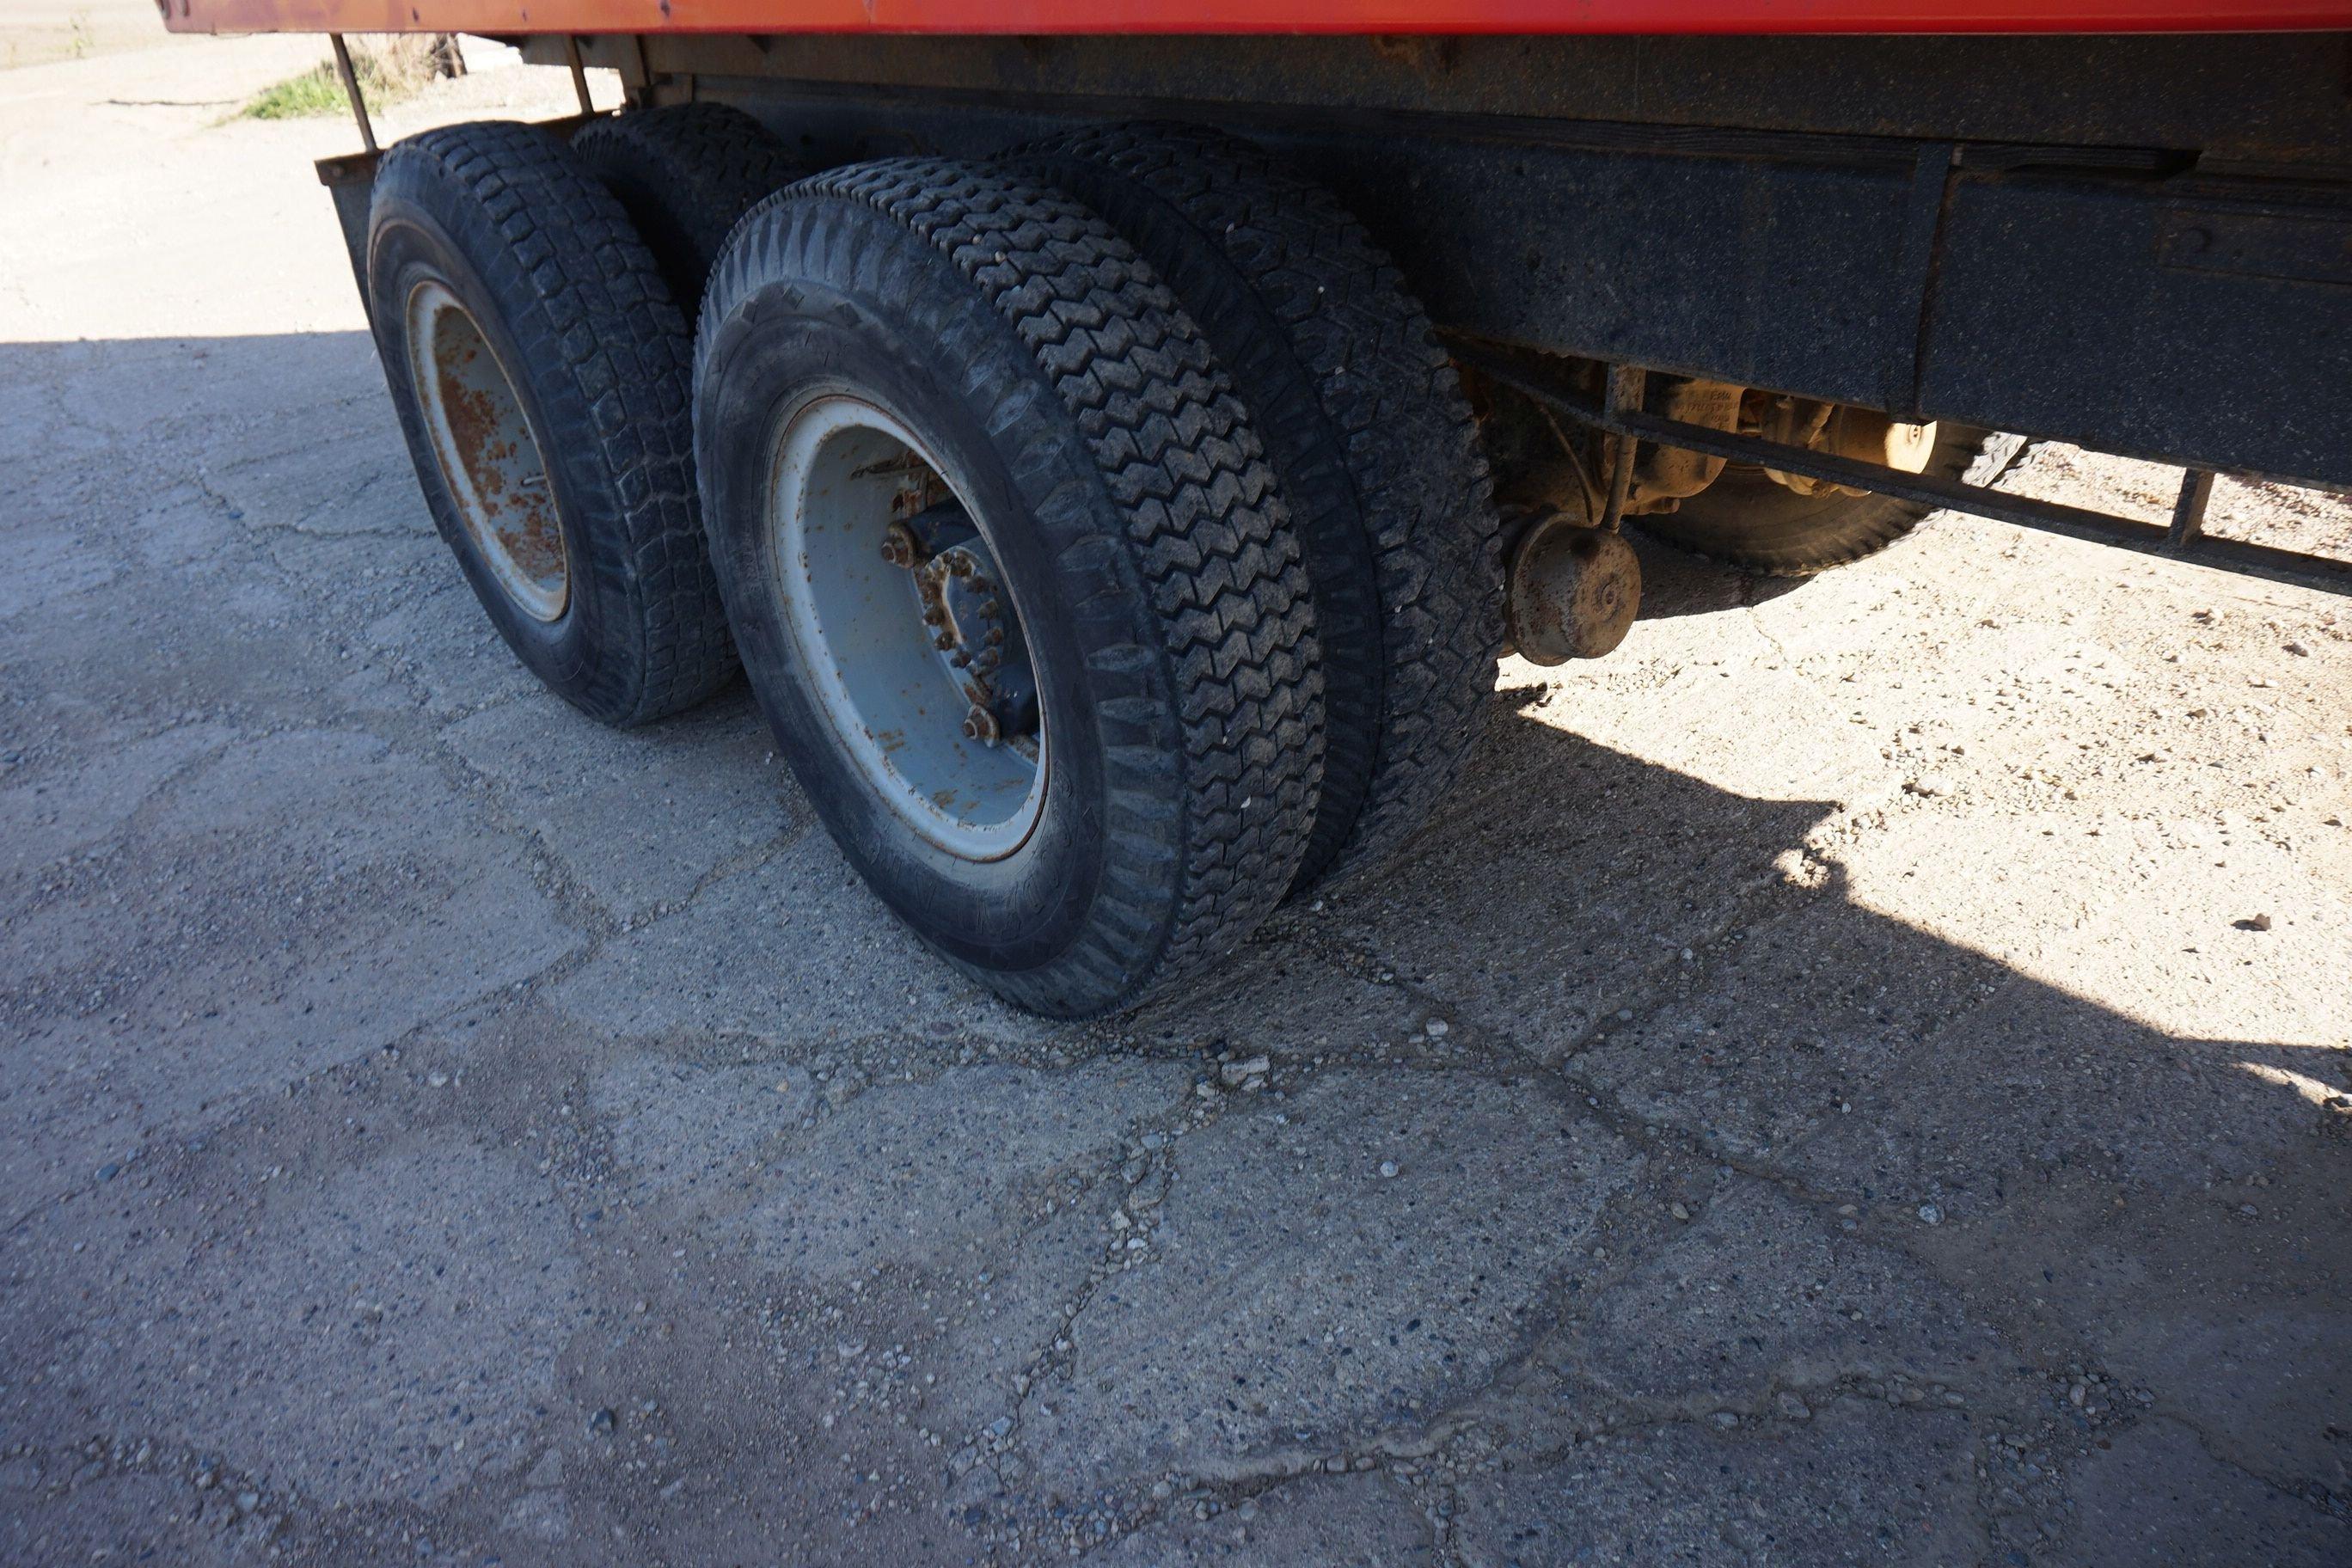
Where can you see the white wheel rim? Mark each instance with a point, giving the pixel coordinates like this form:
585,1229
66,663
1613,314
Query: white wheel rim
489,456
843,471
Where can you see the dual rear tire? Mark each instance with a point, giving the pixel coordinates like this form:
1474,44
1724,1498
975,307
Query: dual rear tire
533,304
908,328
540,368
1084,676
1222,463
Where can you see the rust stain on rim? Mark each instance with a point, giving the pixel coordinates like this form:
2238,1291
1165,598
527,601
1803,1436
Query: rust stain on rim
490,456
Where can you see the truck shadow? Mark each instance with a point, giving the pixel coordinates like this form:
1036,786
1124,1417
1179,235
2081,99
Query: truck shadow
2083,1185
1697,956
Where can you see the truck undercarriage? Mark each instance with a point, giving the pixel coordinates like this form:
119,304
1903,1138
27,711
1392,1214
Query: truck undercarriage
1287,379
2138,245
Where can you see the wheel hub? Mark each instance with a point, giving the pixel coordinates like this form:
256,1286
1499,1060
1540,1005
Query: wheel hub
909,637
960,598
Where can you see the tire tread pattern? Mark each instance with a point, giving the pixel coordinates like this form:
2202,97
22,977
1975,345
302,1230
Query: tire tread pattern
1409,673
686,172
612,358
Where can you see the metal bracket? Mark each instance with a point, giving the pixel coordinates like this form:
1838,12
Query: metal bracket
579,73
1623,419
1624,395
350,180
2189,511
352,90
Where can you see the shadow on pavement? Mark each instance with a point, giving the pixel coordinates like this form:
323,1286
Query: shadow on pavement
440,1119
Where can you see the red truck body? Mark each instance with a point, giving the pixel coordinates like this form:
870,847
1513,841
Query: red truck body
1253,16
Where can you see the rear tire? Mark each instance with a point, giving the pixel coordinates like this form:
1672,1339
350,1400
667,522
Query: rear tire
1746,520
685,173
540,371
1376,450
984,344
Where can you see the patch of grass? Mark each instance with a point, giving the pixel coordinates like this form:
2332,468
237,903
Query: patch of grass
315,91
389,72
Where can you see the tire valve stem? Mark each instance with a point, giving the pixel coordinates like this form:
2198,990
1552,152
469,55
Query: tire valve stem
980,724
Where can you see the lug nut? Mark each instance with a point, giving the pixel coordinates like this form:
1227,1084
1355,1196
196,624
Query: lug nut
980,724
899,546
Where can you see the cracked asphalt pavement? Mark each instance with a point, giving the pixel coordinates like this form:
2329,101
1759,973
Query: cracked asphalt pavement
1859,1076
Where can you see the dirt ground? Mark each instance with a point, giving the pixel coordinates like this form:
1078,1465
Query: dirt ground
1859,1076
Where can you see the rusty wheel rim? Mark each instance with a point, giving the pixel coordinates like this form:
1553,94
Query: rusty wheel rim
892,625
489,456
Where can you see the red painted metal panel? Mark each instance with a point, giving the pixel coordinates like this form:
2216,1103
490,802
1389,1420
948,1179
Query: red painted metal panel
1073,17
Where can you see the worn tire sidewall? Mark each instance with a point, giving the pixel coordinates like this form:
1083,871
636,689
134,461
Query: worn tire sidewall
420,232
1019,463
